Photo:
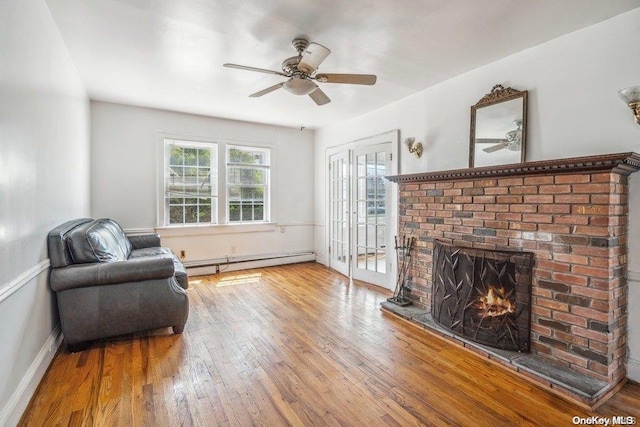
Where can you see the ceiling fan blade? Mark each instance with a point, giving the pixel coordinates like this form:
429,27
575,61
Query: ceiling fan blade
490,140
312,57
354,79
319,97
495,147
260,70
267,90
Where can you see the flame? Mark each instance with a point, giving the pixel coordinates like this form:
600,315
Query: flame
493,304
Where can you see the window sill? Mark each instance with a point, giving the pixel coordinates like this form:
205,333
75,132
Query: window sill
204,230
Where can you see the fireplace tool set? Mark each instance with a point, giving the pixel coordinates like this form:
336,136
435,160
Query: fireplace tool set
403,261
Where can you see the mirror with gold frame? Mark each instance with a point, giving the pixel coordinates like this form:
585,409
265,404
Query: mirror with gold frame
498,128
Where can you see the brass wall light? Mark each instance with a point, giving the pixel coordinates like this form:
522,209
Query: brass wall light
414,147
631,97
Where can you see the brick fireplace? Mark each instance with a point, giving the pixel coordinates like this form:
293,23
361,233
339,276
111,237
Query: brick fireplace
571,214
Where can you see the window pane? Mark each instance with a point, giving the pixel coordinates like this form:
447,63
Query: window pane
247,212
204,213
190,156
175,155
371,164
204,158
234,193
258,193
176,173
258,213
176,214
247,156
247,176
191,214
246,193
233,176
234,211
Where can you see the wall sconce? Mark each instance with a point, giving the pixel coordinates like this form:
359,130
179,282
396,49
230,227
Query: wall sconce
631,97
414,147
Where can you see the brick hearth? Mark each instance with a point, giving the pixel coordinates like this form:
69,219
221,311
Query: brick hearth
572,214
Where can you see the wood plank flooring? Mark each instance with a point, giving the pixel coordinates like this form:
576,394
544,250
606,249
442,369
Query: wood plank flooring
292,345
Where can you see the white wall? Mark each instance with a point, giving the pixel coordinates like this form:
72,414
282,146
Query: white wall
124,174
573,110
44,181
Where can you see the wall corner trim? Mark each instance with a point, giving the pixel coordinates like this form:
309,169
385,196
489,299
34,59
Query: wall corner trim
12,412
16,284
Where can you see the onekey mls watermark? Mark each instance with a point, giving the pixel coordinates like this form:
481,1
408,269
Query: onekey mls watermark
620,420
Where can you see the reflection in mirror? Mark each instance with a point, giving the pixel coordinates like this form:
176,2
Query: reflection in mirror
498,128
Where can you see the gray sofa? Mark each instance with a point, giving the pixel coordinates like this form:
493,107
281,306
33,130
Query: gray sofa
109,284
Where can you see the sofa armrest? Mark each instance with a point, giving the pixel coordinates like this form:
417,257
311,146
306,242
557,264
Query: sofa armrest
140,241
111,273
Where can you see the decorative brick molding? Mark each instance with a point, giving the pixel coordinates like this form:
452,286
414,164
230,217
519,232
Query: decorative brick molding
571,213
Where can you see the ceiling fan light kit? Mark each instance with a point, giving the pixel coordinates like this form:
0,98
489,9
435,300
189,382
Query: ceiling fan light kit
299,86
301,71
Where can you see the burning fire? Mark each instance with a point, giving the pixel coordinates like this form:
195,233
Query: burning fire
494,303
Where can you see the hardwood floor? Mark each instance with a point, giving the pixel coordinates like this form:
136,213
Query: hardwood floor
292,345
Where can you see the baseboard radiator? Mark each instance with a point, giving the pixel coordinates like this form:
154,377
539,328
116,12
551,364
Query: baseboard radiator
234,263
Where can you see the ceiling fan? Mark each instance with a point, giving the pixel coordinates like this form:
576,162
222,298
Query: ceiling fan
512,140
301,71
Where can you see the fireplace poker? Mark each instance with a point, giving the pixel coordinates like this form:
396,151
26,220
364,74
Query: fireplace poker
403,260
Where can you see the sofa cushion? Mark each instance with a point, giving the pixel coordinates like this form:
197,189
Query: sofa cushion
118,232
150,252
97,241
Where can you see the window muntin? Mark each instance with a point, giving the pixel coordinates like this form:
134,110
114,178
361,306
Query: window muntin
248,171
191,183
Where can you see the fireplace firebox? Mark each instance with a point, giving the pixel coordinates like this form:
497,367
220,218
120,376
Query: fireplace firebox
483,295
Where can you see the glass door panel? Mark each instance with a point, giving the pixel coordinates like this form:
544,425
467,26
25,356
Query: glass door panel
339,221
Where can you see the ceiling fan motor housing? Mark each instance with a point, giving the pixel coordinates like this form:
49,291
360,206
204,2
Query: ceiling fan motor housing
290,65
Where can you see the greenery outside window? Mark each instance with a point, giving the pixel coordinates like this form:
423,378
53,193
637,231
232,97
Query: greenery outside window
248,171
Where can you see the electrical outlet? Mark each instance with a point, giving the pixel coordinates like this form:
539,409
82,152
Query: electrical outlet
282,229
183,254
233,250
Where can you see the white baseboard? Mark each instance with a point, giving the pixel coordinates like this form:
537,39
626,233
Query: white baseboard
17,403
322,259
633,369
248,264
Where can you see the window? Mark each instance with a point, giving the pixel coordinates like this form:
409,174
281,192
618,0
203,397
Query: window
199,189
190,183
247,183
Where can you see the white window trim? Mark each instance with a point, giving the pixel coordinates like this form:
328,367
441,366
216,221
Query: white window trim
223,227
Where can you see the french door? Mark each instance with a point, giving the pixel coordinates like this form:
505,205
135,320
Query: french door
370,206
359,211
340,224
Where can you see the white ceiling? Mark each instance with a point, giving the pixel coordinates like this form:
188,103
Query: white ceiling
168,54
